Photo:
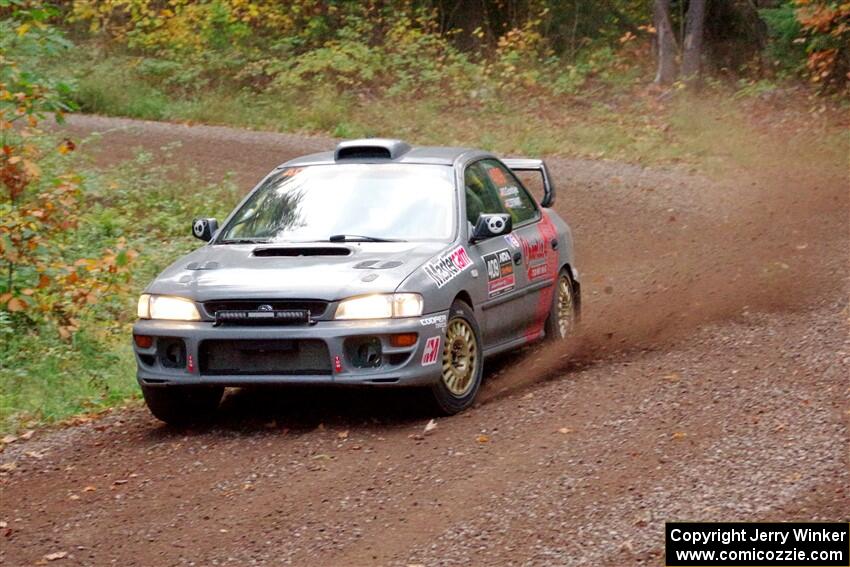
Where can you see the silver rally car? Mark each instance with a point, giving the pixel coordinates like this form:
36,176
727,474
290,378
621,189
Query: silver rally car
375,264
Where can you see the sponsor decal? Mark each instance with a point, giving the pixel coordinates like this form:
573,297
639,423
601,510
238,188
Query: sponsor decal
432,351
438,321
448,266
198,227
496,224
512,240
513,202
292,171
498,176
509,191
549,269
500,272
534,251
538,271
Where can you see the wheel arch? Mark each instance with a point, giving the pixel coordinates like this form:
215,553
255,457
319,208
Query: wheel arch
464,296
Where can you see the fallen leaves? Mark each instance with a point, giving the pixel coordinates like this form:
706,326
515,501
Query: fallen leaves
482,438
565,430
430,427
679,435
16,305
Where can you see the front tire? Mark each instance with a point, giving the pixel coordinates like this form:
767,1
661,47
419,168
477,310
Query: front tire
182,405
462,362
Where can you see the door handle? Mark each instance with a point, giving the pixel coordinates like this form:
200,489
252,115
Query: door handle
554,244
517,257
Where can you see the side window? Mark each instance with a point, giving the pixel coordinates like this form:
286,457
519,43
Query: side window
512,196
481,195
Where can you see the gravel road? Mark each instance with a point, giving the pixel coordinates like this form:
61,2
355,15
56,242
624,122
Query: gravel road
710,382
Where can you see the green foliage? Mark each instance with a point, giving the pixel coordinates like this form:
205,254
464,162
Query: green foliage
299,49
115,87
145,203
785,52
24,92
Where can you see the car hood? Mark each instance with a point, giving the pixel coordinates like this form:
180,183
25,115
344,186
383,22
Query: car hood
325,271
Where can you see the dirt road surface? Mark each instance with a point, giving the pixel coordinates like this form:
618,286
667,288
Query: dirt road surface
710,382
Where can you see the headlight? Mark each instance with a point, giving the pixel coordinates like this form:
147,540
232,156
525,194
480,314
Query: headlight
144,309
380,306
166,307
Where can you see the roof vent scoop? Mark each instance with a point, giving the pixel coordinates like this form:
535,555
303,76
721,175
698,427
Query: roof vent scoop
370,148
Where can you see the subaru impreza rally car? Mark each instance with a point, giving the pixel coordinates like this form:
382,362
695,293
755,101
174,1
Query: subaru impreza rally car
375,264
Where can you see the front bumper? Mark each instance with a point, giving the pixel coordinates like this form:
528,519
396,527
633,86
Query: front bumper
397,365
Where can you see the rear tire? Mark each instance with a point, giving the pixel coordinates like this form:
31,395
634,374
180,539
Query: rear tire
562,319
462,362
182,405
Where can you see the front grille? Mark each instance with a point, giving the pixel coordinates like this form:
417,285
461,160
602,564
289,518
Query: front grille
315,307
272,356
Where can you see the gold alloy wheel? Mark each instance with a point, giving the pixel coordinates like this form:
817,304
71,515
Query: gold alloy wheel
565,307
460,357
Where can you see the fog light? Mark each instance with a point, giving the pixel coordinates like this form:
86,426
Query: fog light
403,339
363,352
143,341
171,352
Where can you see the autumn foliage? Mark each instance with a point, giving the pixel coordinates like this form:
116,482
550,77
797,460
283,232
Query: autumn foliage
827,25
42,280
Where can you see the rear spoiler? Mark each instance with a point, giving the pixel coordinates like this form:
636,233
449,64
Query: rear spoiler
538,165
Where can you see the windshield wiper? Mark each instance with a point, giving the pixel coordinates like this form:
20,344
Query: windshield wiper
245,241
356,237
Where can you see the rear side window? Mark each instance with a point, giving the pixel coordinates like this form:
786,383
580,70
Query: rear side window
512,196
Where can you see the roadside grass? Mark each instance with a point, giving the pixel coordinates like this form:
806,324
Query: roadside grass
619,118
45,379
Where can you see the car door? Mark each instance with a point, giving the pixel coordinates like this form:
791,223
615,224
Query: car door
535,237
498,261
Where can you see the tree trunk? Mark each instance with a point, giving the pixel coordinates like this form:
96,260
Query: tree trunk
665,43
694,30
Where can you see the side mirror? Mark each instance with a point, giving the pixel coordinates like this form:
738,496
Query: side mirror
490,225
204,229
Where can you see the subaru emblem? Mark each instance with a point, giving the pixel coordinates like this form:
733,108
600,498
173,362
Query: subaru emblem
265,307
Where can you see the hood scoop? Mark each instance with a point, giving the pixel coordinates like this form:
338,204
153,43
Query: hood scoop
294,251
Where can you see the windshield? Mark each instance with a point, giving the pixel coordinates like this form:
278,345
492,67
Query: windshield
356,201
